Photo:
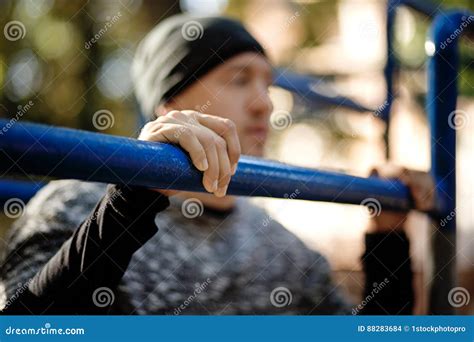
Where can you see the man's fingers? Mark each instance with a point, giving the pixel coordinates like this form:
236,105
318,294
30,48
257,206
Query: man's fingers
421,184
202,150
224,167
183,136
211,175
227,130
374,172
176,115
422,188
189,142
211,142
389,171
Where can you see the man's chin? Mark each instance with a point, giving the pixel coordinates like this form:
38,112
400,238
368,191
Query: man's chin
255,151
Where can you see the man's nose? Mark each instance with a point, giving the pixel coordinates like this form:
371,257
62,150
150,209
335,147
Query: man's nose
260,102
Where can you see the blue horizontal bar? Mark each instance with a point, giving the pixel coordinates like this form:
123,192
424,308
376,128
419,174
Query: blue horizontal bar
23,190
28,148
305,86
426,7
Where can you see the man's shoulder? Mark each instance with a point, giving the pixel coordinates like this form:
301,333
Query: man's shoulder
68,197
59,206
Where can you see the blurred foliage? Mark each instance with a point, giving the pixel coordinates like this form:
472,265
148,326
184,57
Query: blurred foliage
72,57
410,46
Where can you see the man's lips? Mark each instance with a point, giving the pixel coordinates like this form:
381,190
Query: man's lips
259,132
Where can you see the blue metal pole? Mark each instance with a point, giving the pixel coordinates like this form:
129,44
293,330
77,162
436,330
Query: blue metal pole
27,148
427,8
308,88
441,105
385,108
18,189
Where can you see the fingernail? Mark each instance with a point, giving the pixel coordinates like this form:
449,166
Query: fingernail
234,169
208,185
221,192
214,186
203,165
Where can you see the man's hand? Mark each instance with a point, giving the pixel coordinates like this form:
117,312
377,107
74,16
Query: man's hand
422,189
211,141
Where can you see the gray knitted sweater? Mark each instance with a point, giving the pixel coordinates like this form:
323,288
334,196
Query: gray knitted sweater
237,262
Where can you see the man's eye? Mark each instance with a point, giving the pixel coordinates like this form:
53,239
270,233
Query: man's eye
241,80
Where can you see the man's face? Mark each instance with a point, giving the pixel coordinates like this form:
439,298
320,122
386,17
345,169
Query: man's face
237,90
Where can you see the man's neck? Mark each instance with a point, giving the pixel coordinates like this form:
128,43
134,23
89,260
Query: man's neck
210,201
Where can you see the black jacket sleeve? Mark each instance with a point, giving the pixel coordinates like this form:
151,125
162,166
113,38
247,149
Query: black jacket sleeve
91,263
389,277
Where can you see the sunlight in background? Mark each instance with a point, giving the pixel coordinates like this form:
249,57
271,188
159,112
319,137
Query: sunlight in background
362,32
203,7
406,25
70,82
357,58
24,75
114,80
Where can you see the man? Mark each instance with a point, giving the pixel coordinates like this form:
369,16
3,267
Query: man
76,250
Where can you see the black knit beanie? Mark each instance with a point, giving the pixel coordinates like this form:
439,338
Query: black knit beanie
180,50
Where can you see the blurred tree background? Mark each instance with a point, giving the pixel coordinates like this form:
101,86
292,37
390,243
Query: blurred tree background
53,63
57,66
62,62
